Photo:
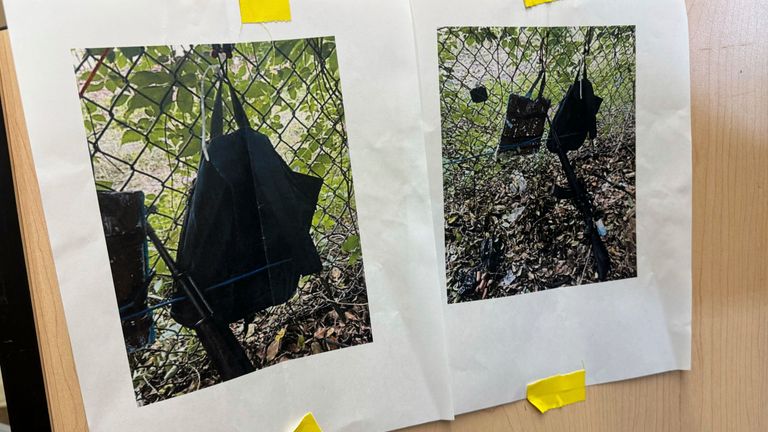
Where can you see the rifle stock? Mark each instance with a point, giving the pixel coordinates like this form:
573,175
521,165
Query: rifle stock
600,252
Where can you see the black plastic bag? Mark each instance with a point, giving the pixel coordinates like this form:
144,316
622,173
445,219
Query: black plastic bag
576,117
245,240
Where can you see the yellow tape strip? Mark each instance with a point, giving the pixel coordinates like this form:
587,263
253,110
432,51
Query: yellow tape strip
308,424
259,11
558,391
532,3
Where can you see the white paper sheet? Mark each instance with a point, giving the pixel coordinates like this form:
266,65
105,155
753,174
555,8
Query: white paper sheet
398,380
616,330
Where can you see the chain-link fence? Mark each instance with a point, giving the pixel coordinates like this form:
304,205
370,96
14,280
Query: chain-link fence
508,200
143,116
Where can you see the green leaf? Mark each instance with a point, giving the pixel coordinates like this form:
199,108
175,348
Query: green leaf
304,154
95,86
148,78
321,164
189,78
157,93
95,52
103,185
111,85
131,52
192,148
138,101
329,46
130,136
185,100
351,244
143,124
120,100
333,62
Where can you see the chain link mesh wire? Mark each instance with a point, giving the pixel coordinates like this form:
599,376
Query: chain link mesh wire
142,114
507,199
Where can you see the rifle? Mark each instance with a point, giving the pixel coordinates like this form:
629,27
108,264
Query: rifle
583,203
226,353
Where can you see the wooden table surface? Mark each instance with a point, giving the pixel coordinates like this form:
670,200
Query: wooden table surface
727,387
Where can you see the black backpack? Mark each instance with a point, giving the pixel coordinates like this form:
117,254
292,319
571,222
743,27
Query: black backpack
245,239
525,120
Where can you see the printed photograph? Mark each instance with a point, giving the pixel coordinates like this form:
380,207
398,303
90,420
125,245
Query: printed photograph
538,155
225,189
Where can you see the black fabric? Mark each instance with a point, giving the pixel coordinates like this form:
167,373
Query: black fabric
524,121
576,116
248,210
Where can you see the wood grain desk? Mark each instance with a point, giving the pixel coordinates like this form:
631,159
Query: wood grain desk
729,382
